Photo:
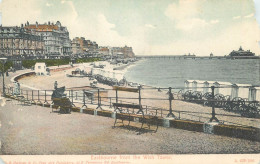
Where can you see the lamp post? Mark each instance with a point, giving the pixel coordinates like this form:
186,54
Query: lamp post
3,61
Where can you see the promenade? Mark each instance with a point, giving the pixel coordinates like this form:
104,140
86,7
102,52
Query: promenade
34,130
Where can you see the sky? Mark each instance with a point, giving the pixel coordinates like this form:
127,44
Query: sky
151,27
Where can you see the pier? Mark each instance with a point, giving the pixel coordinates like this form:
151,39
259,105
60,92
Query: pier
195,57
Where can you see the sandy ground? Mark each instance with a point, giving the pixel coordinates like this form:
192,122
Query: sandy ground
34,130
181,109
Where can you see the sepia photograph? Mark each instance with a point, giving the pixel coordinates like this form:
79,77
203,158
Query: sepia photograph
129,81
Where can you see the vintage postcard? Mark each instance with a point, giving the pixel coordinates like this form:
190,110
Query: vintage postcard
129,81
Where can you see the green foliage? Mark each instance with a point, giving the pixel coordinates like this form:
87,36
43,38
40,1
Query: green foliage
55,62
87,60
8,65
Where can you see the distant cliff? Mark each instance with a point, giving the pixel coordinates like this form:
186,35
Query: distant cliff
123,52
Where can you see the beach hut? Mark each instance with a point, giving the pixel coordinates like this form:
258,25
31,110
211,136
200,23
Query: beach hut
40,69
243,91
240,90
234,91
257,97
187,85
199,85
217,85
94,71
224,88
205,87
88,69
194,85
119,76
106,73
97,71
254,94
207,84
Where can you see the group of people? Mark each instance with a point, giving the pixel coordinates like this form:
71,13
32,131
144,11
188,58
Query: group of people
16,90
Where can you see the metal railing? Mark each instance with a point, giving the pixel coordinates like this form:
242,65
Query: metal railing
104,98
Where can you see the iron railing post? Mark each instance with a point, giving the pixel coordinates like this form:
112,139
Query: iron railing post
32,96
45,98
213,117
39,96
140,100
84,101
170,114
27,95
99,99
110,103
116,96
72,103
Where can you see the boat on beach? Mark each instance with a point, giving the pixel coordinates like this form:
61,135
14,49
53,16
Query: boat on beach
78,75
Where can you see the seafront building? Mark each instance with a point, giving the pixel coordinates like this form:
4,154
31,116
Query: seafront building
75,46
85,46
56,38
49,40
104,51
19,41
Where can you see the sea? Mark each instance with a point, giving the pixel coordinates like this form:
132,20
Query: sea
170,72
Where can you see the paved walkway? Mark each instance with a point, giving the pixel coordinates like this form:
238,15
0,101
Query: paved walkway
34,130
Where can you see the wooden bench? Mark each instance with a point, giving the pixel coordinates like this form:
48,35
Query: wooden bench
125,113
63,103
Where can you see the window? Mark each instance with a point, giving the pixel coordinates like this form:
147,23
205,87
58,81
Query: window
39,67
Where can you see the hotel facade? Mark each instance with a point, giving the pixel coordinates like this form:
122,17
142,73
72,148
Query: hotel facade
18,41
55,36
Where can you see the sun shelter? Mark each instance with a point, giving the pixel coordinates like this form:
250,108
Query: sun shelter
40,69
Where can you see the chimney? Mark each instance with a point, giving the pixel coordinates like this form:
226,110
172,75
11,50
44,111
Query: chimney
36,24
49,23
27,23
22,25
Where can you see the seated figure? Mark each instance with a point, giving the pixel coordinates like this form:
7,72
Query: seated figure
58,93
